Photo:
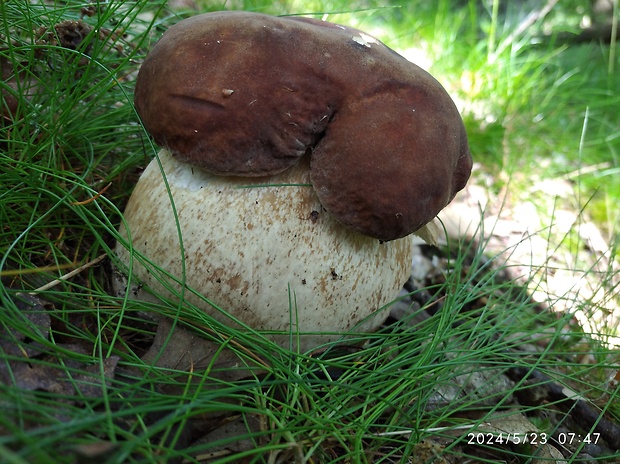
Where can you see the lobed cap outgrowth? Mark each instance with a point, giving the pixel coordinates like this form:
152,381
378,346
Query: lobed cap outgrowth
248,94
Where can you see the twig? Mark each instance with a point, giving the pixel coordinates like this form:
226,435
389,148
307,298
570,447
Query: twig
428,430
585,414
55,282
528,22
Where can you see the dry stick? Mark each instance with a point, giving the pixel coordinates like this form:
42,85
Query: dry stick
97,260
584,413
529,21
53,283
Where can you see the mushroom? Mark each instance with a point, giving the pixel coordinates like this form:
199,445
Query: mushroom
300,156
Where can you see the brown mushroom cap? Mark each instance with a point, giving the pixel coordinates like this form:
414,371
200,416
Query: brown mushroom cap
239,93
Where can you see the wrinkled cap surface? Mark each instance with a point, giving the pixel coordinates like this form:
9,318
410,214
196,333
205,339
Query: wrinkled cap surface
239,93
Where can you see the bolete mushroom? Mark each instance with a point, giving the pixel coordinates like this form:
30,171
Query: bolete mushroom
300,155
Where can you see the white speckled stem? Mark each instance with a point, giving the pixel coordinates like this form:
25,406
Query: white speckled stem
252,250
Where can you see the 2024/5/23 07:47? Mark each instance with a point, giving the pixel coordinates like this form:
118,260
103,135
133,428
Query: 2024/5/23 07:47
533,438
